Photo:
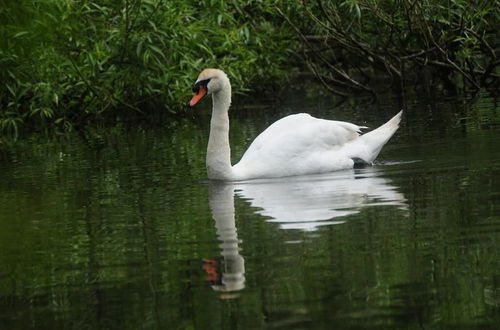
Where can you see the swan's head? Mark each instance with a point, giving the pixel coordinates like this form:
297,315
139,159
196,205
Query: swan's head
210,81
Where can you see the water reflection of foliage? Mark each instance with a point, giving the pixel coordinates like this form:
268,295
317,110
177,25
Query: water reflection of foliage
89,214
110,232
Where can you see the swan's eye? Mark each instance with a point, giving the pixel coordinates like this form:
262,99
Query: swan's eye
204,83
196,88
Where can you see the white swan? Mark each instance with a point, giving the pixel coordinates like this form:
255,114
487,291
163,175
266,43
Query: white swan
295,145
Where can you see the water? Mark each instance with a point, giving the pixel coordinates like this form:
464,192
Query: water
123,231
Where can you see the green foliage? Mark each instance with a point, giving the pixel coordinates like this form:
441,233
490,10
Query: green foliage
65,63
350,42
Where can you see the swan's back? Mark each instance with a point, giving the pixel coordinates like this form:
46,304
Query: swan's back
295,145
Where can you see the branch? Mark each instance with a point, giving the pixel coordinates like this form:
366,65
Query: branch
427,29
340,72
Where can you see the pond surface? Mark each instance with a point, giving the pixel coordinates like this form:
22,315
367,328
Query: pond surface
123,231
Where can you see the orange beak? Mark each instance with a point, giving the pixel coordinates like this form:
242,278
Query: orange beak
202,92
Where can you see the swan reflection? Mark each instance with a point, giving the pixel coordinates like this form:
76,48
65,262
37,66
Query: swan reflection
221,201
316,200
296,203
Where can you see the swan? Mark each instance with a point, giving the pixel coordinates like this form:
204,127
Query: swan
298,144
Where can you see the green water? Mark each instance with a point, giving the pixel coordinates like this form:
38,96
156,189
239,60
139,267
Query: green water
122,230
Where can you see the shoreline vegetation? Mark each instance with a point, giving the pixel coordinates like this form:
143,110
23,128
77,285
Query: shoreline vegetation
65,64
452,44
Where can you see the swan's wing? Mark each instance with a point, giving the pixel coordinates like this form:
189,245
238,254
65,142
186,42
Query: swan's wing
301,132
295,138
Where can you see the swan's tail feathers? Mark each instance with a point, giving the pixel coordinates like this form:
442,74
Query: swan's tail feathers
377,138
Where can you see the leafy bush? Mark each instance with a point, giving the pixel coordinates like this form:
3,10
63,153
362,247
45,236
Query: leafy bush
348,44
65,63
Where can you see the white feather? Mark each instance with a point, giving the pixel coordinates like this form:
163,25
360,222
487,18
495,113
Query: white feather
294,145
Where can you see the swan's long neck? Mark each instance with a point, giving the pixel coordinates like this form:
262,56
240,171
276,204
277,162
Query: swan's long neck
218,151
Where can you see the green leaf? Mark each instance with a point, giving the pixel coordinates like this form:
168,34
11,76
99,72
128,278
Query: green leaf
20,34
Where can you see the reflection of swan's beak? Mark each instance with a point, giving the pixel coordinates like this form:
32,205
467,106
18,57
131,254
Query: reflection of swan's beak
231,279
228,273
210,267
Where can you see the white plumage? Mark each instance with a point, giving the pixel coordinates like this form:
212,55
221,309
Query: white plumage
294,145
